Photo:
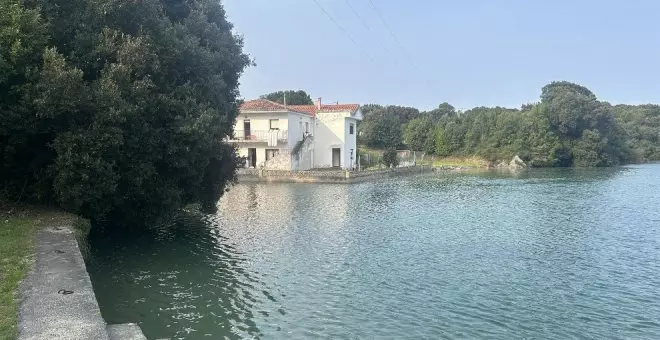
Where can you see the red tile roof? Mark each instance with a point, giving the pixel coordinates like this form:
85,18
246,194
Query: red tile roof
339,108
307,109
262,105
312,110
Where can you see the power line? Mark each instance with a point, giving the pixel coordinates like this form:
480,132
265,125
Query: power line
410,58
364,23
386,25
345,32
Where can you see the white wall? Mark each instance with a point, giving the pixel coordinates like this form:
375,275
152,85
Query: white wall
289,121
350,142
329,134
329,130
295,122
260,121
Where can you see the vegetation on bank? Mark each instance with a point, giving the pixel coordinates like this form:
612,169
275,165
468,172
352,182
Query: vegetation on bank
117,109
567,127
454,161
17,240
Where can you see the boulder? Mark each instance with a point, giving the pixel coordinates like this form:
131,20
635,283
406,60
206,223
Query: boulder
517,163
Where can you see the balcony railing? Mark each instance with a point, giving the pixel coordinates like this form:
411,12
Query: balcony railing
260,136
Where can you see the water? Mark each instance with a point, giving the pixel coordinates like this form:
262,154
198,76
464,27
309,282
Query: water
552,254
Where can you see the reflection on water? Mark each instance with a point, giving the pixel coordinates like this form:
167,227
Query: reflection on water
555,253
177,280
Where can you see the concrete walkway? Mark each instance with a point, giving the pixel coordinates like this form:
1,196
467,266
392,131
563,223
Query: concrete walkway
58,298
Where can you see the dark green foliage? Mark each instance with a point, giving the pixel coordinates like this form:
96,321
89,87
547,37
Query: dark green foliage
299,97
403,113
390,158
640,127
117,109
444,110
568,127
418,134
380,129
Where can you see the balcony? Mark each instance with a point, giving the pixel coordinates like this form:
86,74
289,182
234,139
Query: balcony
270,137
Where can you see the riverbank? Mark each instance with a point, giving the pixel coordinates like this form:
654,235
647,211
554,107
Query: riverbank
326,175
20,226
45,290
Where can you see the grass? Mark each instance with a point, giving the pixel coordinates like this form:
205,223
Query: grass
464,162
19,225
17,239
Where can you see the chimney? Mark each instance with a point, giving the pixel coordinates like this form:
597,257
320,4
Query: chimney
318,104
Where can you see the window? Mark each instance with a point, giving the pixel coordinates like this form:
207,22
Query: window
351,128
306,127
274,124
270,153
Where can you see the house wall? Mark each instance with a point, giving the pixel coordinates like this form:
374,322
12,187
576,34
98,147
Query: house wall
328,130
260,121
350,143
261,153
296,126
305,156
329,134
289,121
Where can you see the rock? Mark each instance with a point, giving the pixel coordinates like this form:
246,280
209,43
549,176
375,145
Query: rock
517,163
502,164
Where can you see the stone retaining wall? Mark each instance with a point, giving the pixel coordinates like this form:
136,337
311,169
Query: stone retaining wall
325,175
58,300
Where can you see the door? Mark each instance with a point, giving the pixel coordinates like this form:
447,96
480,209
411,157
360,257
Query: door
336,157
246,129
252,157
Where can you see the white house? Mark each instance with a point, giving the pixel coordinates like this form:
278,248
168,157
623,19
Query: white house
297,137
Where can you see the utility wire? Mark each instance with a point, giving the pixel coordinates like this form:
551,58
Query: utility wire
410,58
345,32
364,23
373,6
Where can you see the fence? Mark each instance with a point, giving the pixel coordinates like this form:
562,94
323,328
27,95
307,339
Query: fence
374,159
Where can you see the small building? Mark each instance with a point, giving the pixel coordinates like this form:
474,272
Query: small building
297,137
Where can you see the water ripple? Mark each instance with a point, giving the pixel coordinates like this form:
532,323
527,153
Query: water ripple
549,254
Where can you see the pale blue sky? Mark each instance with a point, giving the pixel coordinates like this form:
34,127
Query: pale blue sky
468,53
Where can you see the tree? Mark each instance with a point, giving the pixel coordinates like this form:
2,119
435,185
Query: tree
381,129
443,110
418,134
578,119
299,97
442,147
122,106
640,127
403,113
390,158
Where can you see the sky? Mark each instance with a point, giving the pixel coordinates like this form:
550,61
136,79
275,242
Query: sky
469,53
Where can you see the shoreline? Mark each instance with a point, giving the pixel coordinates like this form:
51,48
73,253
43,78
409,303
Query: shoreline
45,280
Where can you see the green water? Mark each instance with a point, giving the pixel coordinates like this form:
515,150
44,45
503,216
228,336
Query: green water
550,254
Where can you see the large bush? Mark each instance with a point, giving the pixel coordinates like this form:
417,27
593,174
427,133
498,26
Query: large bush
390,158
117,109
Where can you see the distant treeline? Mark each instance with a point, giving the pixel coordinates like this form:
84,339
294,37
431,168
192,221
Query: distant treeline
569,126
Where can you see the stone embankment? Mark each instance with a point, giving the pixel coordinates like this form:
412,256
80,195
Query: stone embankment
327,175
58,297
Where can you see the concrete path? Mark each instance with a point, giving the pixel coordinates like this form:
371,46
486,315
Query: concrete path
58,298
